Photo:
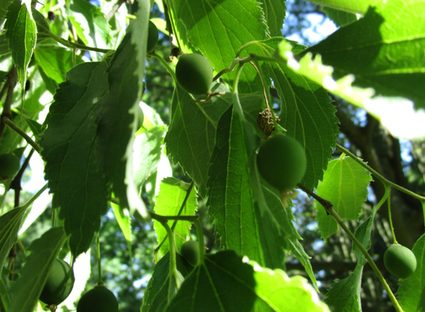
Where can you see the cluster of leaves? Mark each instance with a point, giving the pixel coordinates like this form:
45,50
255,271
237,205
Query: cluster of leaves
102,146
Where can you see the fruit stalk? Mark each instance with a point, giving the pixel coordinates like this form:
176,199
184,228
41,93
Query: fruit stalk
329,209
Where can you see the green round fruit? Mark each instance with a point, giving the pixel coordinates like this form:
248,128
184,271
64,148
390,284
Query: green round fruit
9,166
98,299
281,161
190,252
194,73
59,283
152,37
400,261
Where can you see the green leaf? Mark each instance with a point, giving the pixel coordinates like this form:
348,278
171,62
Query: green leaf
4,6
224,282
156,294
230,198
148,145
10,223
124,221
411,293
90,24
4,293
345,185
344,295
120,112
358,6
191,136
227,24
395,113
73,163
27,288
171,197
274,11
382,52
22,33
89,137
55,61
340,18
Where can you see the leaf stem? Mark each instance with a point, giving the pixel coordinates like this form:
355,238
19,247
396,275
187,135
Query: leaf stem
99,263
236,61
172,269
200,236
75,45
380,177
166,65
329,209
162,218
22,133
390,217
173,226
264,87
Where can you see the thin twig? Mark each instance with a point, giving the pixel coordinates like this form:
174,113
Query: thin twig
22,133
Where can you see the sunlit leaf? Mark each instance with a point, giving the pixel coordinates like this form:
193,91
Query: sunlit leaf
274,12
175,198
22,33
90,24
217,20
345,185
225,283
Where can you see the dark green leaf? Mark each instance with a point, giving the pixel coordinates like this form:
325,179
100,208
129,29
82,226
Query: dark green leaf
26,290
191,136
340,18
344,296
86,145
9,227
22,33
156,294
120,112
73,164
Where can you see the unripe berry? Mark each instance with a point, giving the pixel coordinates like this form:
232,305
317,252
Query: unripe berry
59,283
194,73
282,162
190,252
400,261
98,298
9,166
